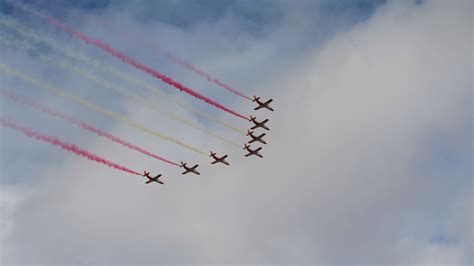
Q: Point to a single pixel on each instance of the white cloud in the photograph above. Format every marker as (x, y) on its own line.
(344, 178)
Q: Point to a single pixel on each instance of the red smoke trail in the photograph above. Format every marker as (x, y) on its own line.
(69, 147)
(140, 41)
(126, 59)
(79, 123)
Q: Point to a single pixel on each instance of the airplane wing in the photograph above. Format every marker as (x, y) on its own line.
(149, 181)
(248, 154)
(258, 107)
(214, 162)
(254, 127)
(258, 149)
(269, 101)
(225, 156)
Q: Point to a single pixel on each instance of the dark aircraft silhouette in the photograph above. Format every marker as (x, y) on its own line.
(152, 179)
(190, 169)
(258, 124)
(252, 152)
(217, 159)
(256, 138)
(262, 104)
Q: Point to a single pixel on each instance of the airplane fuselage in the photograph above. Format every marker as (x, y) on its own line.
(219, 160)
(253, 152)
(263, 104)
(190, 169)
(153, 179)
(257, 138)
(260, 124)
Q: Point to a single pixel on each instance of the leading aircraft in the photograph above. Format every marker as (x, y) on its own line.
(152, 179)
(262, 104)
(256, 138)
(258, 124)
(252, 152)
(217, 159)
(190, 169)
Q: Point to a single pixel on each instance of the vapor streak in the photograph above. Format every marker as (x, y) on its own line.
(145, 44)
(125, 93)
(116, 72)
(68, 147)
(22, 100)
(124, 58)
(96, 108)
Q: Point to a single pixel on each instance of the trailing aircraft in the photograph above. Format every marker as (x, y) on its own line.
(190, 169)
(262, 104)
(152, 179)
(256, 138)
(258, 124)
(217, 159)
(252, 152)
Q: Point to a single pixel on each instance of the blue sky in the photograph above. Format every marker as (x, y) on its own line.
(368, 158)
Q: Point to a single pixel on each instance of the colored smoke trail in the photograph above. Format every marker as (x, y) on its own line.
(126, 59)
(137, 99)
(141, 101)
(145, 44)
(11, 95)
(47, 87)
(117, 73)
(68, 147)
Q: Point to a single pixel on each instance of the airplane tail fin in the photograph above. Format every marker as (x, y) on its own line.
(249, 132)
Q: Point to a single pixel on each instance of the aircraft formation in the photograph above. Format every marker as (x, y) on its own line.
(14, 35)
(222, 160)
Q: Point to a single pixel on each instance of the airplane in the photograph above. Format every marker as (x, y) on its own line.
(252, 152)
(256, 138)
(190, 169)
(262, 104)
(152, 179)
(217, 159)
(258, 124)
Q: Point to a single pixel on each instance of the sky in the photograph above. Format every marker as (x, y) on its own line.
(369, 156)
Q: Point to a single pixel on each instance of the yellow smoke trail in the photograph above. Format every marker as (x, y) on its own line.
(117, 73)
(50, 88)
(141, 101)
(137, 99)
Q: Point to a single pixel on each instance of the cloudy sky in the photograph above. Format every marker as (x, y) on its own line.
(369, 158)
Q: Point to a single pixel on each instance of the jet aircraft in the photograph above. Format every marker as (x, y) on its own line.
(258, 124)
(262, 104)
(189, 169)
(152, 179)
(256, 138)
(252, 152)
(217, 159)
